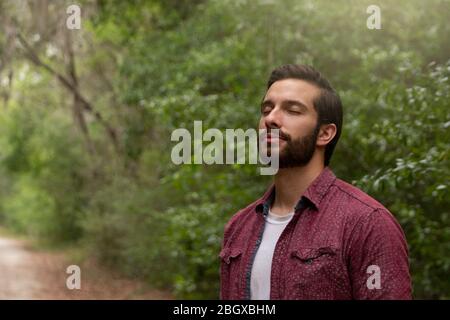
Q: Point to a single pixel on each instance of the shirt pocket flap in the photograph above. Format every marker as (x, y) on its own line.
(308, 254)
(226, 254)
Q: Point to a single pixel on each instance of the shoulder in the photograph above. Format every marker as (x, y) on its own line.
(359, 207)
(241, 215)
(355, 196)
(238, 219)
(353, 200)
(364, 213)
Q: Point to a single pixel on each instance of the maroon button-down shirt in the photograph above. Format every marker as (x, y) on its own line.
(340, 244)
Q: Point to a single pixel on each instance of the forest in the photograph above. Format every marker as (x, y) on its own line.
(87, 112)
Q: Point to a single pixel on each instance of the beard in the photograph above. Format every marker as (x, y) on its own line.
(297, 152)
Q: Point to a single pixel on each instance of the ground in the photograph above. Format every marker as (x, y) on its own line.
(29, 273)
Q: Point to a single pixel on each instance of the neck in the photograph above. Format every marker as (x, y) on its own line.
(291, 183)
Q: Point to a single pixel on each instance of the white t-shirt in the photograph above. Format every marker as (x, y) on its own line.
(262, 265)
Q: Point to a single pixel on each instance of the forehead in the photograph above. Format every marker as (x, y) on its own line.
(292, 89)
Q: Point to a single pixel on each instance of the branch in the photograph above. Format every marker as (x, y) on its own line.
(33, 57)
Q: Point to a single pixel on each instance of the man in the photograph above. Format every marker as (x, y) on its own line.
(311, 235)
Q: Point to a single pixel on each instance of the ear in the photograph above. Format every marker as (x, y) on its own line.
(326, 133)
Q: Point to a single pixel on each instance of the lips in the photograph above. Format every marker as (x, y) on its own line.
(269, 138)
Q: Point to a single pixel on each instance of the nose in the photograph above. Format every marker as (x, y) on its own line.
(273, 119)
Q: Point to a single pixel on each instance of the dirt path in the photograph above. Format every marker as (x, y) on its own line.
(26, 273)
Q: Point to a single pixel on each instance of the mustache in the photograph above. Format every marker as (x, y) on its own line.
(282, 135)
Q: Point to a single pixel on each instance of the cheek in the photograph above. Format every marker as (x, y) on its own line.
(300, 127)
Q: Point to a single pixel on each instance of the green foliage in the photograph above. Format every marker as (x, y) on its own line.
(193, 241)
(45, 194)
(170, 63)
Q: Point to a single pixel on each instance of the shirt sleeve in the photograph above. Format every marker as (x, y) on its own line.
(378, 258)
(224, 281)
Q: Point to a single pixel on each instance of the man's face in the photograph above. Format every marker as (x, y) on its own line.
(288, 106)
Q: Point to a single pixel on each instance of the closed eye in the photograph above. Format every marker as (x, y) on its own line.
(295, 107)
(265, 109)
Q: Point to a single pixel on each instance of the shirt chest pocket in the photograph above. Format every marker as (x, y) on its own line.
(309, 256)
(230, 261)
(312, 272)
(314, 263)
(230, 255)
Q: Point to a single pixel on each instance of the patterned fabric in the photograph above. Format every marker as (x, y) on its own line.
(340, 244)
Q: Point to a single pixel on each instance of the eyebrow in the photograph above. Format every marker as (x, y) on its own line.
(295, 102)
(284, 103)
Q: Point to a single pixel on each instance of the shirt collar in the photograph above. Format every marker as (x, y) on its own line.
(311, 197)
